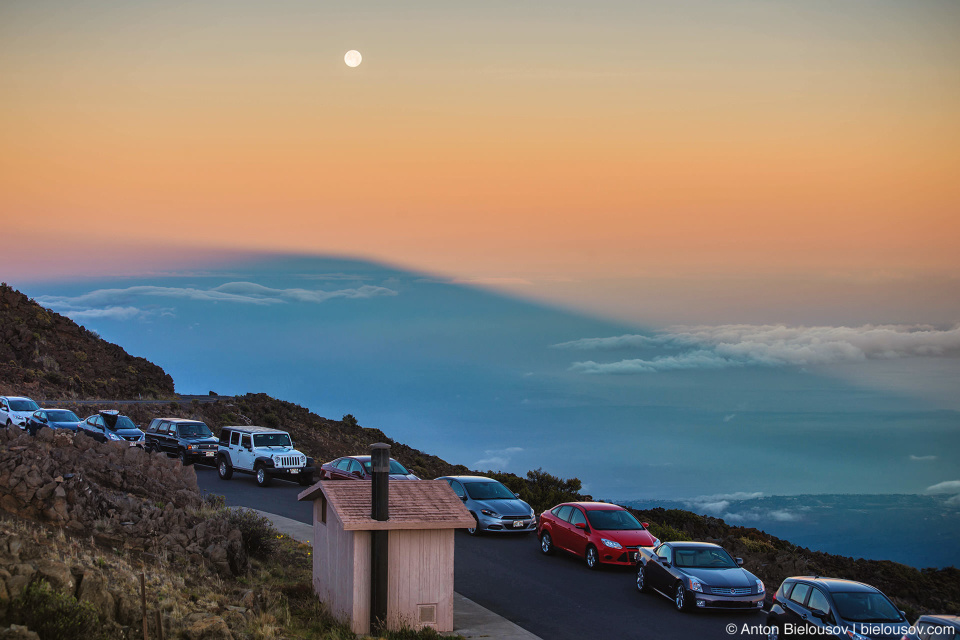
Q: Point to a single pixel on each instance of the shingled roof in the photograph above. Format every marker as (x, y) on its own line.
(414, 504)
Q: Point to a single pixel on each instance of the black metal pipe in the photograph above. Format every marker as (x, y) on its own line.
(379, 540)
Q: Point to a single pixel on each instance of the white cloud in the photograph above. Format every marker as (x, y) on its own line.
(922, 458)
(718, 503)
(729, 417)
(954, 501)
(727, 346)
(782, 515)
(950, 486)
(113, 313)
(108, 302)
(497, 459)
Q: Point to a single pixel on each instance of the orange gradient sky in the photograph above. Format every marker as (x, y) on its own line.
(556, 142)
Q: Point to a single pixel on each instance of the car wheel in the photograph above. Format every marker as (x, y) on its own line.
(475, 529)
(680, 599)
(774, 632)
(224, 470)
(592, 557)
(641, 579)
(183, 458)
(263, 478)
(546, 544)
(306, 481)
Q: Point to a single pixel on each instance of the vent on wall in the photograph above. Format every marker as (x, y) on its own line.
(428, 614)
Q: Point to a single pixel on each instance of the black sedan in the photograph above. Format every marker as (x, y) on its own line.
(698, 575)
(52, 418)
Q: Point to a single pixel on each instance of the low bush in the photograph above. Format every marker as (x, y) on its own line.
(260, 538)
(55, 616)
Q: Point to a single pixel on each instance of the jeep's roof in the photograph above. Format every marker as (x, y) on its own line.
(254, 429)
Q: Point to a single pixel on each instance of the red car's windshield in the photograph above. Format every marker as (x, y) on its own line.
(612, 520)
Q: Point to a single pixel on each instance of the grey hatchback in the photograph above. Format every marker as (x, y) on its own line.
(494, 506)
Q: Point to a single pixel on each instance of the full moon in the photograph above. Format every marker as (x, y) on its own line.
(353, 58)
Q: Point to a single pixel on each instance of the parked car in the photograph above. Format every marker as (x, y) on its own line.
(359, 468)
(934, 628)
(53, 418)
(265, 453)
(807, 605)
(111, 426)
(598, 532)
(190, 440)
(493, 506)
(699, 575)
(16, 410)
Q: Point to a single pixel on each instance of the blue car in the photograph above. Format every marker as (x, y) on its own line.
(493, 506)
(53, 418)
(110, 426)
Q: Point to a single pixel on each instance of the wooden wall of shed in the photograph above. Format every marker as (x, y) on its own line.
(421, 572)
(341, 574)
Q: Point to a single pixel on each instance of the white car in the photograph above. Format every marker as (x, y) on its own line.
(15, 410)
(263, 452)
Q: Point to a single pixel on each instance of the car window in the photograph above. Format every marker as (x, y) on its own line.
(38, 414)
(457, 488)
(225, 437)
(787, 588)
(818, 601)
(235, 438)
(665, 553)
(799, 593)
(576, 517)
(342, 464)
(246, 441)
(563, 513)
(355, 466)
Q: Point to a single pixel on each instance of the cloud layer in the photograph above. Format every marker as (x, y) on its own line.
(730, 346)
(119, 304)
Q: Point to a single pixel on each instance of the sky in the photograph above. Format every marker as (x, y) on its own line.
(748, 188)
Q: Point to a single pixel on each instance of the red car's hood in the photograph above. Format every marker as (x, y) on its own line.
(634, 538)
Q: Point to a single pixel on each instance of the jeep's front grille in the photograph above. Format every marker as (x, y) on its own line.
(289, 461)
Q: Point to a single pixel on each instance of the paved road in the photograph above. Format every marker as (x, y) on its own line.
(556, 598)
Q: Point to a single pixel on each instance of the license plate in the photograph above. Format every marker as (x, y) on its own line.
(294, 470)
(134, 444)
(209, 454)
(517, 524)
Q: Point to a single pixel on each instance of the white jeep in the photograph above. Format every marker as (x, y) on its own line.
(265, 453)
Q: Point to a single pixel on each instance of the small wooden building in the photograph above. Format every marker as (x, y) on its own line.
(423, 517)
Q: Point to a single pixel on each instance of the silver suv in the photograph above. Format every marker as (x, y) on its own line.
(265, 453)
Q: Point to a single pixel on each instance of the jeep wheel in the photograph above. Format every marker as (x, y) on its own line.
(184, 460)
(224, 470)
(263, 478)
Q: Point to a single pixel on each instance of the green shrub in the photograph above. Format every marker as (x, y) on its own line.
(260, 538)
(666, 533)
(54, 616)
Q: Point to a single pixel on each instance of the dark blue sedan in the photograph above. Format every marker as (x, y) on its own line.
(53, 418)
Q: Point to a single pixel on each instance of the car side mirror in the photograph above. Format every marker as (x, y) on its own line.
(42, 419)
(581, 525)
(359, 474)
(645, 525)
(664, 562)
(739, 561)
(463, 498)
(516, 494)
(818, 614)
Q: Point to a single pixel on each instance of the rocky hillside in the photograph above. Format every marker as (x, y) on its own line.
(46, 355)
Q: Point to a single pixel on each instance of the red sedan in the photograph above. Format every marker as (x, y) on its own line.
(595, 531)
